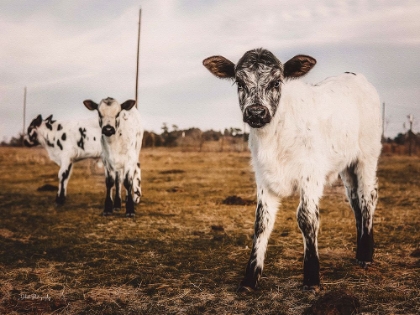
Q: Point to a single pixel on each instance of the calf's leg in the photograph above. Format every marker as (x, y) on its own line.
(265, 215)
(137, 184)
(117, 200)
(308, 221)
(129, 202)
(362, 191)
(109, 181)
(63, 178)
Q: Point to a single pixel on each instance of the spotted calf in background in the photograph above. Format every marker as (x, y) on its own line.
(121, 140)
(66, 142)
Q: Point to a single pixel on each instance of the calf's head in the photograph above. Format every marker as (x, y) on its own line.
(109, 113)
(31, 137)
(259, 76)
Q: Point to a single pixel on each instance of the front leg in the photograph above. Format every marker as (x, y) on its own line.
(109, 181)
(265, 215)
(308, 221)
(117, 200)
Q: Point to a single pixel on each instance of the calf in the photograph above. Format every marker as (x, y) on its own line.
(301, 137)
(121, 139)
(66, 142)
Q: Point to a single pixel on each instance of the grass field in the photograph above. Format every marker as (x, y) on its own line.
(185, 252)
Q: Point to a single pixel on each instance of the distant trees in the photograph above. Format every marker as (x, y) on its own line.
(234, 139)
(14, 141)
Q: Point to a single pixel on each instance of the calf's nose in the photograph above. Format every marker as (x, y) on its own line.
(108, 130)
(256, 111)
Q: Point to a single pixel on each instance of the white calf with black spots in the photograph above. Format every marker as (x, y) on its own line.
(301, 138)
(66, 142)
(121, 140)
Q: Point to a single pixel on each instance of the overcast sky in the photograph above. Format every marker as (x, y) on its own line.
(67, 51)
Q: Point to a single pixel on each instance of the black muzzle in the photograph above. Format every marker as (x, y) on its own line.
(257, 116)
(108, 130)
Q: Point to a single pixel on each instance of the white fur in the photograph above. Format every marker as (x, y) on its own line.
(61, 144)
(121, 151)
(316, 133)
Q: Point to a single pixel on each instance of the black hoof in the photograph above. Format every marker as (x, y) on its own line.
(59, 201)
(130, 215)
(312, 288)
(245, 290)
(363, 264)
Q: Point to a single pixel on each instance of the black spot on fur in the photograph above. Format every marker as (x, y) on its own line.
(59, 144)
(350, 73)
(81, 142)
(50, 144)
(64, 137)
(49, 126)
(59, 127)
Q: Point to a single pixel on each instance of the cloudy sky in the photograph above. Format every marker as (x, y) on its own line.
(67, 51)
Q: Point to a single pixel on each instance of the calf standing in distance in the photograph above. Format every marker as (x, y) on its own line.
(301, 137)
(66, 142)
(121, 140)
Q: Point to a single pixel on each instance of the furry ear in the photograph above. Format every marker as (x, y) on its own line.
(220, 67)
(50, 119)
(298, 66)
(127, 105)
(91, 105)
(37, 121)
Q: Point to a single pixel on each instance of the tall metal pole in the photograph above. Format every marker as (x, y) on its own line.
(24, 110)
(138, 59)
(383, 121)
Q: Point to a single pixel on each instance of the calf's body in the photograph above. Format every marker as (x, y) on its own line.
(121, 140)
(66, 142)
(301, 138)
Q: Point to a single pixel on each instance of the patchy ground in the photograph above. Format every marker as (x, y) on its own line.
(186, 250)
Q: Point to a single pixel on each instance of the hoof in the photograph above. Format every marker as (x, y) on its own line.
(244, 290)
(117, 209)
(59, 201)
(311, 288)
(363, 264)
(106, 214)
(129, 215)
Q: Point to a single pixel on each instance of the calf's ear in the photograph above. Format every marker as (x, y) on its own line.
(50, 119)
(38, 120)
(91, 105)
(220, 67)
(298, 66)
(127, 105)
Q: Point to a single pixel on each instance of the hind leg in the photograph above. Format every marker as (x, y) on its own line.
(63, 178)
(117, 199)
(362, 192)
(137, 184)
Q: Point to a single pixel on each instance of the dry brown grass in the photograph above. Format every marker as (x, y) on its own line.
(185, 251)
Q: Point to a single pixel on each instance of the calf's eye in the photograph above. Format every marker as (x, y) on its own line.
(275, 84)
(240, 85)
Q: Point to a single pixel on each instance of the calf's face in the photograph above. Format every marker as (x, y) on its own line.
(109, 113)
(31, 137)
(259, 76)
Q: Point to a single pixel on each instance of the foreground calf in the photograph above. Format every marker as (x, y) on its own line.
(301, 138)
(66, 142)
(121, 140)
